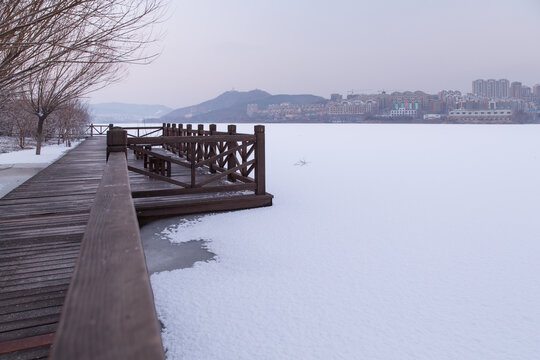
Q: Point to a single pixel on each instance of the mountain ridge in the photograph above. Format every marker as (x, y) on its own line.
(231, 106)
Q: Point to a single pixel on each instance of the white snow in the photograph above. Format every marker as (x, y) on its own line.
(49, 153)
(391, 242)
(18, 166)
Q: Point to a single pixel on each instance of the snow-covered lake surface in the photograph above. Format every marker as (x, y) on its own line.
(391, 242)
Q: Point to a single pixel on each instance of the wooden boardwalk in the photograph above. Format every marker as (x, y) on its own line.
(43, 221)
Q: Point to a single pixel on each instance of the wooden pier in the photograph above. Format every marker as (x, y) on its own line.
(74, 226)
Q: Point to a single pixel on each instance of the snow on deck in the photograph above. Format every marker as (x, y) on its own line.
(390, 242)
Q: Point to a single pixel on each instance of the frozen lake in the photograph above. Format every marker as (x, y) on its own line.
(384, 242)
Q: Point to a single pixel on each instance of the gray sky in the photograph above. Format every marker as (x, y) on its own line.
(321, 47)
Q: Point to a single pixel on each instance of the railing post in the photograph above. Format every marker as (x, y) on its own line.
(116, 141)
(188, 145)
(91, 129)
(200, 145)
(230, 162)
(212, 151)
(191, 155)
(180, 145)
(174, 133)
(168, 146)
(260, 174)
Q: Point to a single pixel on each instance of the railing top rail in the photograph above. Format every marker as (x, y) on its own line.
(141, 127)
(188, 139)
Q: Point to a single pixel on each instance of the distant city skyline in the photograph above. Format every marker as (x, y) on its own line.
(316, 47)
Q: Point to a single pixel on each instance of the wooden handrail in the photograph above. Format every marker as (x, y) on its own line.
(109, 311)
(142, 127)
(159, 140)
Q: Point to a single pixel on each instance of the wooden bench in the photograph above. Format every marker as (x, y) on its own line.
(159, 166)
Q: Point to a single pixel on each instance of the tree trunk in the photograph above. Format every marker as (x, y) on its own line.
(41, 120)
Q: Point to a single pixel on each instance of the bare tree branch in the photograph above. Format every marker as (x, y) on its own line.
(33, 34)
(53, 52)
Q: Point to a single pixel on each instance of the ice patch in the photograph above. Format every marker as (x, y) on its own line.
(182, 231)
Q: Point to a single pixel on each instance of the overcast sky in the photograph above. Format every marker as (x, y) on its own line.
(321, 47)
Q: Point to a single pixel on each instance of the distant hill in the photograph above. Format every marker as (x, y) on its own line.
(223, 101)
(120, 112)
(231, 106)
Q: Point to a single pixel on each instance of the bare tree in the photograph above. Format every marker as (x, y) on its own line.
(30, 32)
(80, 46)
(70, 121)
(57, 86)
(16, 122)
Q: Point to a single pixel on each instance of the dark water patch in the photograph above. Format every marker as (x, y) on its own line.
(162, 255)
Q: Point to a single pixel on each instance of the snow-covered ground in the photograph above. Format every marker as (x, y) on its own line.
(18, 166)
(391, 242)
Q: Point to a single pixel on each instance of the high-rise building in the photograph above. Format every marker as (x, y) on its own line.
(479, 87)
(491, 88)
(526, 92)
(503, 87)
(515, 90)
(536, 91)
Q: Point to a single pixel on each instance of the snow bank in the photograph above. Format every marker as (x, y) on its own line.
(49, 153)
(18, 166)
(391, 242)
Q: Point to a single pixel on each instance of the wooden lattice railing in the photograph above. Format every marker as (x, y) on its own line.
(237, 158)
(96, 129)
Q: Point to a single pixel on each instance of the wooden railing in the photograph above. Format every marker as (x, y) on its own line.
(237, 158)
(101, 129)
(148, 130)
(96, 129)
(109, 311)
